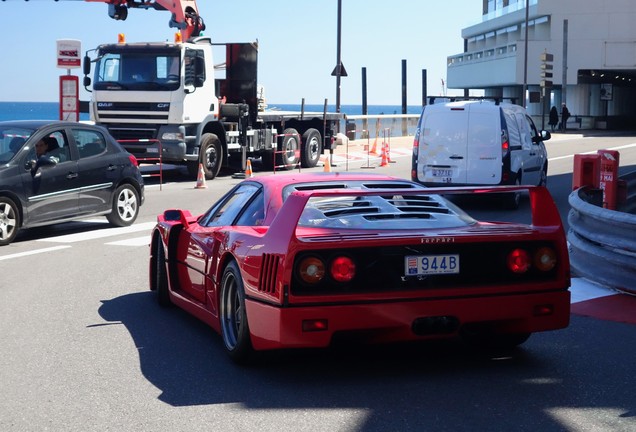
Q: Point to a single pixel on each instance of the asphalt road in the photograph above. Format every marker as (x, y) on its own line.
(85, 347)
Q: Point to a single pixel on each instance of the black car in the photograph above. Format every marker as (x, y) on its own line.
(83, 173)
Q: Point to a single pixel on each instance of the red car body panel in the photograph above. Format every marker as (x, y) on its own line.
(378, 310)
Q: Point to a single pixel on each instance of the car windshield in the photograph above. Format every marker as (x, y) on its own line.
(384, 211)
(11, 141)
(138, 70)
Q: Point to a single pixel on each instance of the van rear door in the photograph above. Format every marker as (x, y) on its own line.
(442, 144)
(484, 152)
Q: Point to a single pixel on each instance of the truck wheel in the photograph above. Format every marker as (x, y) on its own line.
(211, 155)
(9, 221)
(312, 148)
(290, 147)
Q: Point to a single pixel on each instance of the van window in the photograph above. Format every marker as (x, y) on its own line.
(524, 129)
(439, 129)
(514, 136)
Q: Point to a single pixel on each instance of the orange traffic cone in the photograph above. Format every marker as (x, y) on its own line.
(248, 169)
(200, 178)
(327, 165)
(384, 161)
(374, 148)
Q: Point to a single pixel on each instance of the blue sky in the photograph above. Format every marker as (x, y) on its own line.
(297, 43)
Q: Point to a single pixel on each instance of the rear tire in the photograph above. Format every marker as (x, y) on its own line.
(287, 159)
(9, 221)
(233, 315)
(125, 207)
(511, 201)
(311, 148)
(161, 275)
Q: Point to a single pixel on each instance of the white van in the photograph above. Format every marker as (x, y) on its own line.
(479, 142)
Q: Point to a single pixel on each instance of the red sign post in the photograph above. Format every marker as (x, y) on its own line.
(609, 177)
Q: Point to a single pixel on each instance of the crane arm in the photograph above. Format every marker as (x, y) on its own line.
(185, 14)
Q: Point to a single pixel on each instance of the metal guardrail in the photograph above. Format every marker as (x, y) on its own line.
(602, 241)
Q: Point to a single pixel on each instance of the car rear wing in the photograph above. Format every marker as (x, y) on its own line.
(544, 213)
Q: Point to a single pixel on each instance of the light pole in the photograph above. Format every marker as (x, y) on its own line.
(525, 60)
(338, 59)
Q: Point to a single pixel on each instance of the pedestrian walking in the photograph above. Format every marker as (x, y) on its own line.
(554, 118)
(565, 115)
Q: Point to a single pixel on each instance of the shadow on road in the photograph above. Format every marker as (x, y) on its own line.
(442, 385)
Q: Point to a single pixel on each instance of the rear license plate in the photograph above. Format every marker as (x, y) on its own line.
(415, 265)
(438, 172)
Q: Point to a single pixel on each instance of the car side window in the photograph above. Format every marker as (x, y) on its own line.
(63, 151)
(58, 147)
(89, 142)
(254, 213)
(231, 207)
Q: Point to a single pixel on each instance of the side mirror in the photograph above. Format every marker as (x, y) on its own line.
(86, 65)
(544, 135)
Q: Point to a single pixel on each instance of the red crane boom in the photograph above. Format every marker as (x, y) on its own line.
(185, 14)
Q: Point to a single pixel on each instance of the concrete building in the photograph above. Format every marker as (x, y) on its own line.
(593, 43)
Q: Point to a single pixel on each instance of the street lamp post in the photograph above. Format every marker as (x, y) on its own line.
(525, 60)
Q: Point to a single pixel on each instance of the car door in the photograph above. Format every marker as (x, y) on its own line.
(98, 167)
(51, 190)
(530, 152)
(199, 247)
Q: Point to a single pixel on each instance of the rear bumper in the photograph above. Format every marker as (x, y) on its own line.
(275, 327)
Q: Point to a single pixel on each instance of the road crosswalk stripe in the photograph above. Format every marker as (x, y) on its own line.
(99, 233)
(32, 252)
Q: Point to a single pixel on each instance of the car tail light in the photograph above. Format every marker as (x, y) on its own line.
(545, 259)
(505, 144)
(311, 270)
(518, 261)
(133, 160)
(342, 269)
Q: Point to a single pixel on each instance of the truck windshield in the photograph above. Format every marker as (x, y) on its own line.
(137, 71)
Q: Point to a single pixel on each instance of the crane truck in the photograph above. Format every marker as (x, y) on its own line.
(167, 102)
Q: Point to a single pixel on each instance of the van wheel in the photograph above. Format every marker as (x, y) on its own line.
(512, 200)
(543, 181)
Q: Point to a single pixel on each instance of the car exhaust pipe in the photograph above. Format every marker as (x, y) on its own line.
(439, 325)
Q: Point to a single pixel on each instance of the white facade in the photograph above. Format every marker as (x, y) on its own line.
(598, 36)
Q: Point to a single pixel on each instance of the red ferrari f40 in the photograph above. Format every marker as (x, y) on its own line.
(296, 260)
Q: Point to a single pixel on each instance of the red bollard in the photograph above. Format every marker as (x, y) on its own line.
(587, 170)
(609, 177)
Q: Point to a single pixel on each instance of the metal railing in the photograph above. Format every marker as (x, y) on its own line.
(602, 242)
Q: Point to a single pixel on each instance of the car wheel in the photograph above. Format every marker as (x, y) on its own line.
(125, 206)
(211, 157)
(160, 275)
(290, 147)
(543, 181)
(512, 200)
(312, 148)
(233, 315)
(9, 221)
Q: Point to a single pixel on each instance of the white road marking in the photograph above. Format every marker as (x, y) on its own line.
(100, 233)
(593, 152)
(138, 241)
(33, 252)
